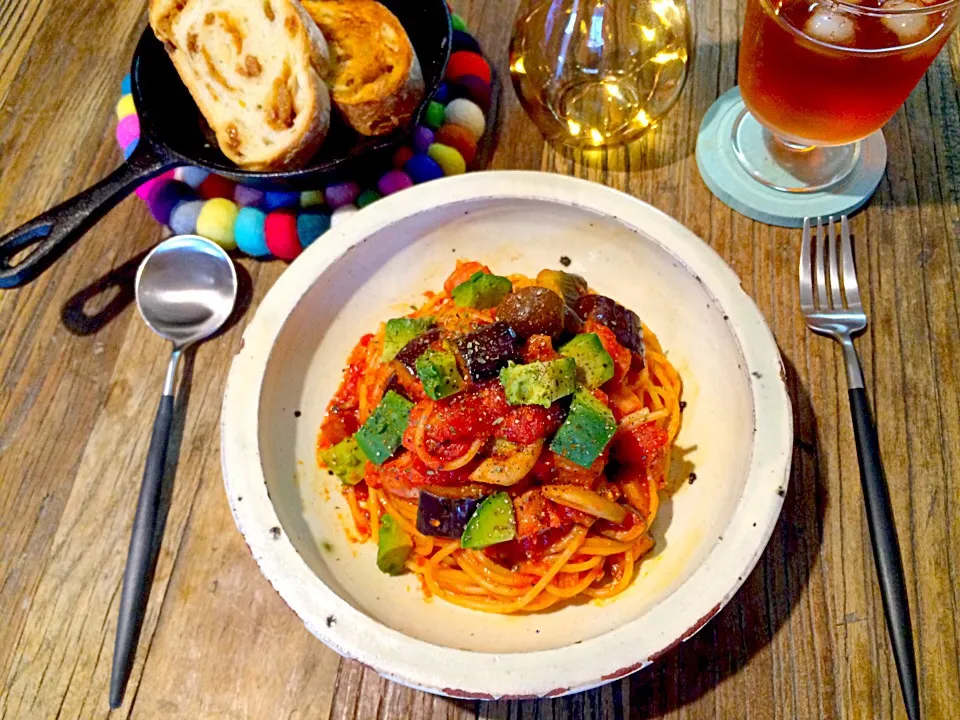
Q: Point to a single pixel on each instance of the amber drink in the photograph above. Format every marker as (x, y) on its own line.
(822, 74)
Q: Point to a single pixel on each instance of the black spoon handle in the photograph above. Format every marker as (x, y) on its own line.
(886, 550)
(137, 575)
(48, 236)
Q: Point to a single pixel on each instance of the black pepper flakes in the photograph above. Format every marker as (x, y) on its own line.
(692, 478)
(565, 261)
(296, 413)
(331, 620)
(275, 532)
(683, 405)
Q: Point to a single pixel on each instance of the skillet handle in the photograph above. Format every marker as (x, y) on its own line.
(48, 236)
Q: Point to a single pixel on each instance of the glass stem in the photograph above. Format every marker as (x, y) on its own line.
(792, 146)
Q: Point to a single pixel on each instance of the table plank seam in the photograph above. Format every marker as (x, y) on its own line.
(928, 305)
(43, 569)
(906, 411)
(11, 23)
(944, 196)
(105, 635)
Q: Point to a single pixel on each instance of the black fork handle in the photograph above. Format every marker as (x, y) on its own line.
(48, 236)
(886, 550)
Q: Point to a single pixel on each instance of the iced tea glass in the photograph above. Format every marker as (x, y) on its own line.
(818, 77)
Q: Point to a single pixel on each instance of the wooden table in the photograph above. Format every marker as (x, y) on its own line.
(80, 374)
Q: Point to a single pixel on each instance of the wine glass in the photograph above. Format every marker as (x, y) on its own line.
(819, 77)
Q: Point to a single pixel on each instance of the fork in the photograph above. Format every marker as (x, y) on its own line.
(830, 301)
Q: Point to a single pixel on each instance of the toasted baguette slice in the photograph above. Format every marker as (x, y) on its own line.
(255, 69)
(376, 80)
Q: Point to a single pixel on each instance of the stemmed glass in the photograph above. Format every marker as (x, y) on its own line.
(819, 77)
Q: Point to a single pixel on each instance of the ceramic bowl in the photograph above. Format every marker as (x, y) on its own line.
(737, 432)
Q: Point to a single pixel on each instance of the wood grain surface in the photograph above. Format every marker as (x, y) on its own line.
(80, 376)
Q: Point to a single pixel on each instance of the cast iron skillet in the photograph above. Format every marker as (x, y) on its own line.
(173, 133)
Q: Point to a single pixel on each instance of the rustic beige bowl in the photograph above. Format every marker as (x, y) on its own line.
(736, 435)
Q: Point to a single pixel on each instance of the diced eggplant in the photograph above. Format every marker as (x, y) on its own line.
(624, 323)
(443, 516)
(397, 387)
(572, 324)
(488, 350)
(533, 311)
(415, 348)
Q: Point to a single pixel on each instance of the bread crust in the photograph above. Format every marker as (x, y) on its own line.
(256, 70)
(376, 81)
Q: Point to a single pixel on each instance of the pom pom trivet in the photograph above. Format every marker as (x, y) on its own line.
(191, 200)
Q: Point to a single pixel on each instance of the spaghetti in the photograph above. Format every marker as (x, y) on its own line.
(479, 456)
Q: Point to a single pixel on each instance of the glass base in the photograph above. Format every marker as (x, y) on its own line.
(725, 175)
(788, 166)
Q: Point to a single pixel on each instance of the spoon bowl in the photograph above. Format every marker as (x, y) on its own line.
(186, 289)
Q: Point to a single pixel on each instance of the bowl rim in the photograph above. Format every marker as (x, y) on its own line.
(567, 669)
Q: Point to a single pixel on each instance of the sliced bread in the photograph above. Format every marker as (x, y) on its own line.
(375, 80)
(255, 69)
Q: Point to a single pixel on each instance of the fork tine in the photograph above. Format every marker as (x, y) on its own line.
(851, 290)
(819, 260)
(833, 257)
(806, 280)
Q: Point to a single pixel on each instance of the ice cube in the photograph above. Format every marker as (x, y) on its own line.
(909, 27)
(831, 26)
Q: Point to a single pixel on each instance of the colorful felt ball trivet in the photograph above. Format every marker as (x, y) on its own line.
(190, 200)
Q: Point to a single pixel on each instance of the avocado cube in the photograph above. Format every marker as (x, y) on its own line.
(399, 332)
(393, 546)
(346, 460)
(380, 435)
(594, 364)
(481, 291)
(493, 522)
(588, 429)
(437, 370)
(539, 383)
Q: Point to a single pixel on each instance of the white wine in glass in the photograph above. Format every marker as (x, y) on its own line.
(596, 73)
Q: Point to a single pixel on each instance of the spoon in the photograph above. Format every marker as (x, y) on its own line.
(185, 289)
